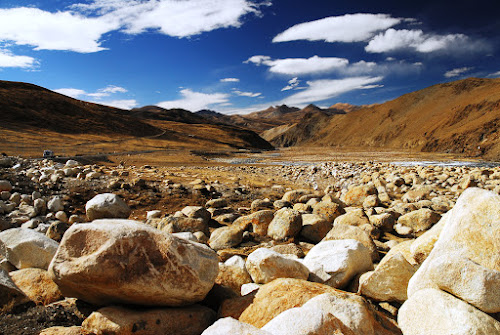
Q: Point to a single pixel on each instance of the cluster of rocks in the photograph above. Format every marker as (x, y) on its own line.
(382, 250)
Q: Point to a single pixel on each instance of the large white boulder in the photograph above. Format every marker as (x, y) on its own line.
(26, 248)
(265, 265)
(336, 262)
(470, 239)
(234, 327)
(124, 261)
(107, 206)
(430, 311)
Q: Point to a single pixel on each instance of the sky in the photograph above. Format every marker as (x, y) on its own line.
(240, 56)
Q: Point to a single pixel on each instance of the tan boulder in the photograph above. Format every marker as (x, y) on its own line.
(232, 326)
(124, 261)
(342, 231)
(265, 265)
(419, 220)
(314, 227)
(225, 237)
(470, 236)
(259, 221)
(10, 294)
(431, 311)
(106, 205)
(286, 224)
(233, 274)
(389, 280)
(37, 285)
(424, 244)
(357, 194)
(75, 330)
(114, 320)
(329, 210)
(353, 217)
(283, 294)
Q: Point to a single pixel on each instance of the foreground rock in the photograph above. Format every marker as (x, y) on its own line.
(265, 265)
(283, 294)
(106, 205)
(335, 263)
(431, 311)
(123, 261)
(234, 327)
(469, 240)
(10, 294)
(169, 321)
(37, 285)
(26, 248)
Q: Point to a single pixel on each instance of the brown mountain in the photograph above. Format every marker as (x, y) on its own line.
(25, 106)
(459, 117)
(32, 117)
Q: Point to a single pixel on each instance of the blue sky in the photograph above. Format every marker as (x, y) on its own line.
(238, 56)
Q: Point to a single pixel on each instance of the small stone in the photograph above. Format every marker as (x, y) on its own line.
(286, 223)
(106, 205)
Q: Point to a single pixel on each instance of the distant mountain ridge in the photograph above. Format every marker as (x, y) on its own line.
(460, 117)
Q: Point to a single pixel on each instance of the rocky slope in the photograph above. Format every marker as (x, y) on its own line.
(458, 117)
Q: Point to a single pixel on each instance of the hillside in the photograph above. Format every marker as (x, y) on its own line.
(458, 117)
(25, 106)
(33, 118)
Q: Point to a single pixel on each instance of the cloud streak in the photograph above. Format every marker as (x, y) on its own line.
(347, 28)
(324, 89)
(97, 97)
(7, 59)
(457, 72)
(194, 101)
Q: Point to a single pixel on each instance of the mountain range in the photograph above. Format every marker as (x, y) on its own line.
(459, 117)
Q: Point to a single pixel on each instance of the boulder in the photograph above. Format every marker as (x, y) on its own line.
(183, 224)
(26, 248)
(58, 330)
(286, 224)
(197, 212)
(342, 231)
(384, 221)
(353, 217)
(315, 317)
(234, 327)
(226, 237)
(265, 265)
(124, 261)
(106, 206)
(389, 281)
(424, 244)
(419, 220)
(10, 294)
(115, 320)
(314, 227)
(329, 210)
(5, 185)
(335, 263)
(259, 221)
(431, 311)
(470, 238)
(55, 205)
(357, 194)
(233, 274)
(294, 196)
(281, 295)
(37, 285)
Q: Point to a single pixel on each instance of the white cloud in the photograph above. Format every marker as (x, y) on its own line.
(417, 40)
(7, 59)
(123, 104)
(230, 80)
(320, 90)
(98, 95)
(292, 83)
(347, 28)
(53, 31)
(298, 66)
(81, 29)
(323, 65)
(457, 72)
(173, 17)
(246, 94)
(494, 75)
(194, 101)
(71, 92)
